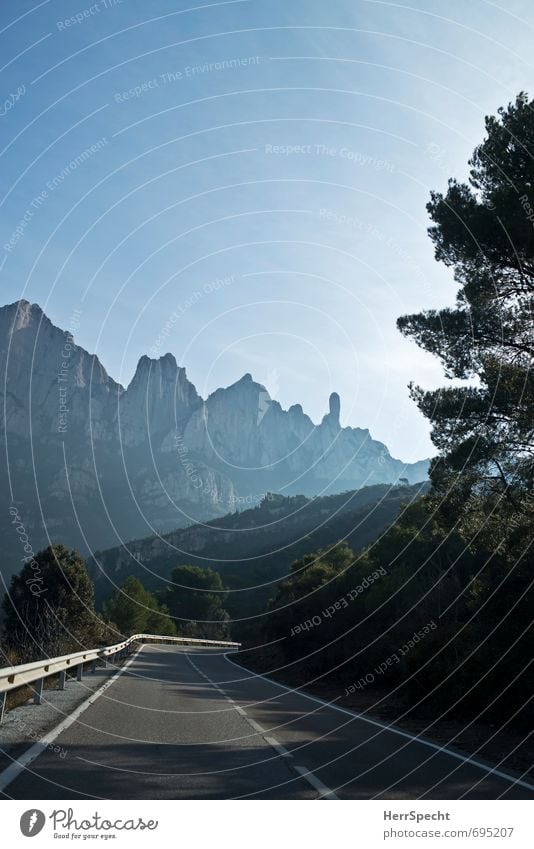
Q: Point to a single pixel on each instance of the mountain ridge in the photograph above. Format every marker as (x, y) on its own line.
(253, 550)
(97, 463)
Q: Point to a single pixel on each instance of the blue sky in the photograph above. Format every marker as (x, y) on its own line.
(244, 183)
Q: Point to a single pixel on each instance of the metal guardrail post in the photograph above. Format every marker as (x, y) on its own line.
(93, 666)
(38, 696)
(79, 672)
(3, 697)
(62, 679)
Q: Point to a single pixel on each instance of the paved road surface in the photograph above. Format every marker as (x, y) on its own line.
(189, 724)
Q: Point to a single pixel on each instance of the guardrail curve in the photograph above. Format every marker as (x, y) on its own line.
(12, 677)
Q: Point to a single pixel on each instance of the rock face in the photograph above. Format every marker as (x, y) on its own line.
(159, 397)
(90, 463)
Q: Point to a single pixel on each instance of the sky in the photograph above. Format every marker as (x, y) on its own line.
(243, 184)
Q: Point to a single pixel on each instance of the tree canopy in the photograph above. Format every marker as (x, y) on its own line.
(49, 607)
(137, 611)
(196, 598)
(484, 230)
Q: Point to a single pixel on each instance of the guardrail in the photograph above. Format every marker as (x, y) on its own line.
(12, 677)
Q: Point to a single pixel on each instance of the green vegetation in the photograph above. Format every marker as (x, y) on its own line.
(252, 550)
(137, 611)
(190, 606)
(485, 232)
(195, 599)
(49, 609)
(447, 622)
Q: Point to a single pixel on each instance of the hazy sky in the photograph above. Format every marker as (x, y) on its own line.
(244, 183)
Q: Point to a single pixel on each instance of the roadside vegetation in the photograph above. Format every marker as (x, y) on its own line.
(457, 565)
(57, 615)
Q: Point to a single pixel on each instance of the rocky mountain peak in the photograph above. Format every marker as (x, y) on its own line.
(21, 315)
(245, 384)
(331, 419)
(162, 370)
(158, 399)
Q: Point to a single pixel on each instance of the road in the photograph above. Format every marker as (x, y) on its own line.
(190, 724)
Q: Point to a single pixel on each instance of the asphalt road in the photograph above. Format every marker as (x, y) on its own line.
(189, 724)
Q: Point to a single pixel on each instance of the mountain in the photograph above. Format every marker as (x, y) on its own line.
(254, 549)
(90, 463)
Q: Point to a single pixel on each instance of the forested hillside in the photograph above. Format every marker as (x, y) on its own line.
(254, 549)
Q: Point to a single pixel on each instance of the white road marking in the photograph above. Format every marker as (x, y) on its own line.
(282, 751)
(256, 726)
(315, 782)
(406, 734)
(31, 754)
(279, 749)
